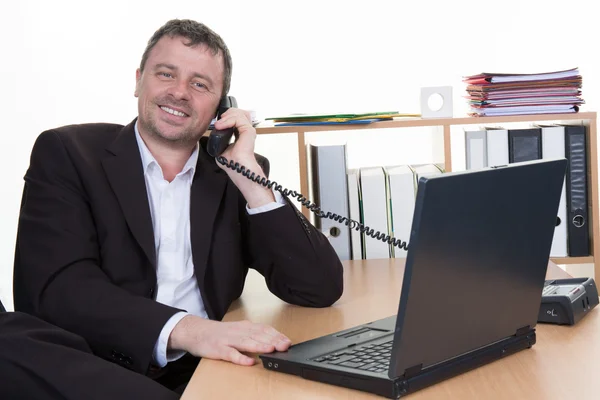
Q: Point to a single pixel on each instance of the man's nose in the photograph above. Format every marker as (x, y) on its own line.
(180, 90)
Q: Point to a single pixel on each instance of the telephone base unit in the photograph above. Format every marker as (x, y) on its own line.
(566, 301)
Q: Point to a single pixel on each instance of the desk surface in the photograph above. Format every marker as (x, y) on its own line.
(562, 364)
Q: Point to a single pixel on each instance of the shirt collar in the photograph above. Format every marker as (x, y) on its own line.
(148, 159)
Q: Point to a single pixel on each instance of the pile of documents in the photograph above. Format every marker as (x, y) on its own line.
(491, 94)
(337, 119)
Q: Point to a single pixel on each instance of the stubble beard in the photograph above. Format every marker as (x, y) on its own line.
(183, 139)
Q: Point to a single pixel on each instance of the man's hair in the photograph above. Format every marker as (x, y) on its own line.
(197, 34)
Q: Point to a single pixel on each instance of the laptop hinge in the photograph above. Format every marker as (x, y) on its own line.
(523, 331)
(412, 371)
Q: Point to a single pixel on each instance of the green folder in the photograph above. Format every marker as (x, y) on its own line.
(332, 117)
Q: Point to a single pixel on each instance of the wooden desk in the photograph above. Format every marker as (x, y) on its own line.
(563, 364)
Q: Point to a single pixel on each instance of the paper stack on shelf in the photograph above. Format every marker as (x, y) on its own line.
(337, 119)
(492, 94)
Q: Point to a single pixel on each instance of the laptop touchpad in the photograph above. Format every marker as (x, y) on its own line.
(362, 333)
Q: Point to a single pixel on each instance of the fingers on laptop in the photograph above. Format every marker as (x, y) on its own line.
(245, 336)
(268, 335)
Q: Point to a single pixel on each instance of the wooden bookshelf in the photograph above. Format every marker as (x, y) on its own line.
(586, 118)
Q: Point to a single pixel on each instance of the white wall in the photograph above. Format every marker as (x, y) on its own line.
(66, 62)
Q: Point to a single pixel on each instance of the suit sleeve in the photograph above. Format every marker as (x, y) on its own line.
(41, 361)
(58, 274)
(299, 264)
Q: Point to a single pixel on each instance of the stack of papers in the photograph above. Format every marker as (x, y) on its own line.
(337, 119)
(492, 94)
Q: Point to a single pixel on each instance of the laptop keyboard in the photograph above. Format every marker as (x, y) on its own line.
(371, 357)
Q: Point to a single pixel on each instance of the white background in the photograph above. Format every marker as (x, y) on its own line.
(65, 62)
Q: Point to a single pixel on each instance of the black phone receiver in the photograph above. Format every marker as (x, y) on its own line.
(218, 140)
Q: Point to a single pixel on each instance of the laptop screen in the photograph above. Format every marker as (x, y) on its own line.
(477, 260)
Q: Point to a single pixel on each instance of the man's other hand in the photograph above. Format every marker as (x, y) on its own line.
(226, 340)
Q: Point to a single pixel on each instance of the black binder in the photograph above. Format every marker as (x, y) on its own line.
(524, 144)
(577, 198)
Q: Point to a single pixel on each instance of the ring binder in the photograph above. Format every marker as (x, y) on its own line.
(577, 199)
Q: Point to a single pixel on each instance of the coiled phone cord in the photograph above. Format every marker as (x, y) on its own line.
(310, 205)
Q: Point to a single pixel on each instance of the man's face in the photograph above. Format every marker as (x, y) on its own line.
(179, 91)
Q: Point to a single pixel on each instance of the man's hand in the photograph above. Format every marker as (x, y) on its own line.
(242, 151)
(225, 340)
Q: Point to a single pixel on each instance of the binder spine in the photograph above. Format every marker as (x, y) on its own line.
(476, 149)
(497, 147)
(553, 147)
(524, 145)
(577, 199)
(330, 191)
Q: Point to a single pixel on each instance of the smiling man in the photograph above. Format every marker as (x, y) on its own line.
(135, 239)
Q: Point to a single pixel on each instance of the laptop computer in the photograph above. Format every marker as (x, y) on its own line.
(473, 280)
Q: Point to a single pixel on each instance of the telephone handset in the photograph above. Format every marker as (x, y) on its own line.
(218, 142)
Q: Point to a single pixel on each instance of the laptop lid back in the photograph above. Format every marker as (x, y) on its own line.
(477, 260)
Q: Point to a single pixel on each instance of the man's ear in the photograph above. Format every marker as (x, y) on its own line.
(138, 78)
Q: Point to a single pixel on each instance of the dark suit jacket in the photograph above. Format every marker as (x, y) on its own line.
(85, 257)
(41, 361)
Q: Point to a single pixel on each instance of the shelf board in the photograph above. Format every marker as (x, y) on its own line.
(573, 260)
(269, 128)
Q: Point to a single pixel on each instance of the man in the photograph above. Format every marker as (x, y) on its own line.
(137, 240)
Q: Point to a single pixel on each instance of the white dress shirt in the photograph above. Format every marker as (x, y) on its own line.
(170, 211)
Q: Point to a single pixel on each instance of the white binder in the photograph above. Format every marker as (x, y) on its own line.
(425, 170)
(476, 149)
(402, 192)
(497, 147)
(328, 188)
(354, 204)
(553, 147)
(374, 208)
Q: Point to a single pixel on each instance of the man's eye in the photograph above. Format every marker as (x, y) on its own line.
(166, 74)
(199, 85)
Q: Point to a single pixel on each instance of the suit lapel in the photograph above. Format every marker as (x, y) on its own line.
(123, 167)
(207, 192)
